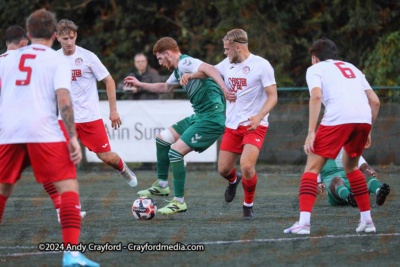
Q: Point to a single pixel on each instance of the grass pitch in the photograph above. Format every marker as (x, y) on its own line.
(30, 219)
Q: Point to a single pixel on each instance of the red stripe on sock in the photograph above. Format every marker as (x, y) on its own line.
(120, 166)
(70, 217)
(360, 190)
(231, 177)
(249, 187)
(3, 201)
(308, 191)
(52, 191)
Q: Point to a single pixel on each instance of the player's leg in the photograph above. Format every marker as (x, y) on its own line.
(307, 194)
(350, 158)
(226, 168)
(164, 141)
(5, 193)
(51, 163)
(231, 148)
(340, 192)
(13, 160)
(374, 185)
(247, 164)
(178, 150)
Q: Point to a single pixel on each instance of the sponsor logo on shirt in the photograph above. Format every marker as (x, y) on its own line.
(75, 74)
(237, 83)
(246, 69)
(78, 61)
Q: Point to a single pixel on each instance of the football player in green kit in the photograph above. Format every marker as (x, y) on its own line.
(197, 132)
(333, 177)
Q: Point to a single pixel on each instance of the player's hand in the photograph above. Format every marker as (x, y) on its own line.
(368, 143)
(185, 78)
(75, 153)
(320, 188)
(309, 144)
(230, 96)
(254, 123)
(131, 81)
(115, 119)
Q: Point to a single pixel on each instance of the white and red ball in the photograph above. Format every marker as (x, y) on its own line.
(144, 208)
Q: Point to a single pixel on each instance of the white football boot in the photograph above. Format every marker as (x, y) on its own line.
(367, 227)
(129, 176)
(298, 229)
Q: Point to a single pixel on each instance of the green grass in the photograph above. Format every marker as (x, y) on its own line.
(30, 218)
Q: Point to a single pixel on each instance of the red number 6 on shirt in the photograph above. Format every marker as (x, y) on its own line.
(25, 69)
(347, 72)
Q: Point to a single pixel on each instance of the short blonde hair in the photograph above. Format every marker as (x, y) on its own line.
(236, 35)
(65, 26)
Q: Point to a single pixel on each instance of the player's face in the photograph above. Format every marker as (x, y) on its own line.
(140, 63)
(230, 51)
(165, 61)
(67, 42)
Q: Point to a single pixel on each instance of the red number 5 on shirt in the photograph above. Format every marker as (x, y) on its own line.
(347, 72)
(25, 69)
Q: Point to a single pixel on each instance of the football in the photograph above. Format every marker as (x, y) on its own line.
(144, 208)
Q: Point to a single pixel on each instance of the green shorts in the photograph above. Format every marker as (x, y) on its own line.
(200, 131)
(327, 181)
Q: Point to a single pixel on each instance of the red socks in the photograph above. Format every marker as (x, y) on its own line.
(3, 201)
(249, 187)
(120, 166)
(308, 191)
(360, 190)
(70, 217)
(231, 177)
(52, 191)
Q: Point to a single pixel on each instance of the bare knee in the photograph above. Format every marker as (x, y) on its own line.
(248, 170)
(6, 190)
(224, 171)
(336, 181)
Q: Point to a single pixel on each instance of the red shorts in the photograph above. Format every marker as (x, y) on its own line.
(92, 135)
(234, 140)
(330, 139)
(50, 162)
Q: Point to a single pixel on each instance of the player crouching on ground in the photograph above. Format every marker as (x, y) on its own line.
(32, 78)
(351, 108)
(334, 178)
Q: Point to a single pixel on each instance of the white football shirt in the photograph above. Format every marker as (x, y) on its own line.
(343, 92)
(248, 80)
(87, 69)
(30, 77)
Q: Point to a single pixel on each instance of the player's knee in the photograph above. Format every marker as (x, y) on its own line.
(336, 181)
(166, 136)
(223, 171)
(106, 158)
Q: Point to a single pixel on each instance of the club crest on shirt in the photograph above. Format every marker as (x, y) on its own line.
(246, 69)
(78, 61)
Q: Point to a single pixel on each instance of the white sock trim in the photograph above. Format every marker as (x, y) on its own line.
(180, 199)
(248, 205)
(234, 181)
(163, 183)
(305, 218)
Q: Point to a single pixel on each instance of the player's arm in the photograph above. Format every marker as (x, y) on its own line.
(375, 104)
(112, 100)
(160, 88)
(67, 115)
(272, 99)
(208, 71)
(314, 110)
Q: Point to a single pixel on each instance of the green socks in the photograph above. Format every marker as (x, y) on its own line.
(178, 171)
(373, 184)
(162, 159)
(342, 192)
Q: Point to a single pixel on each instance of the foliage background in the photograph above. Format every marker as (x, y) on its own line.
(366, 32)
